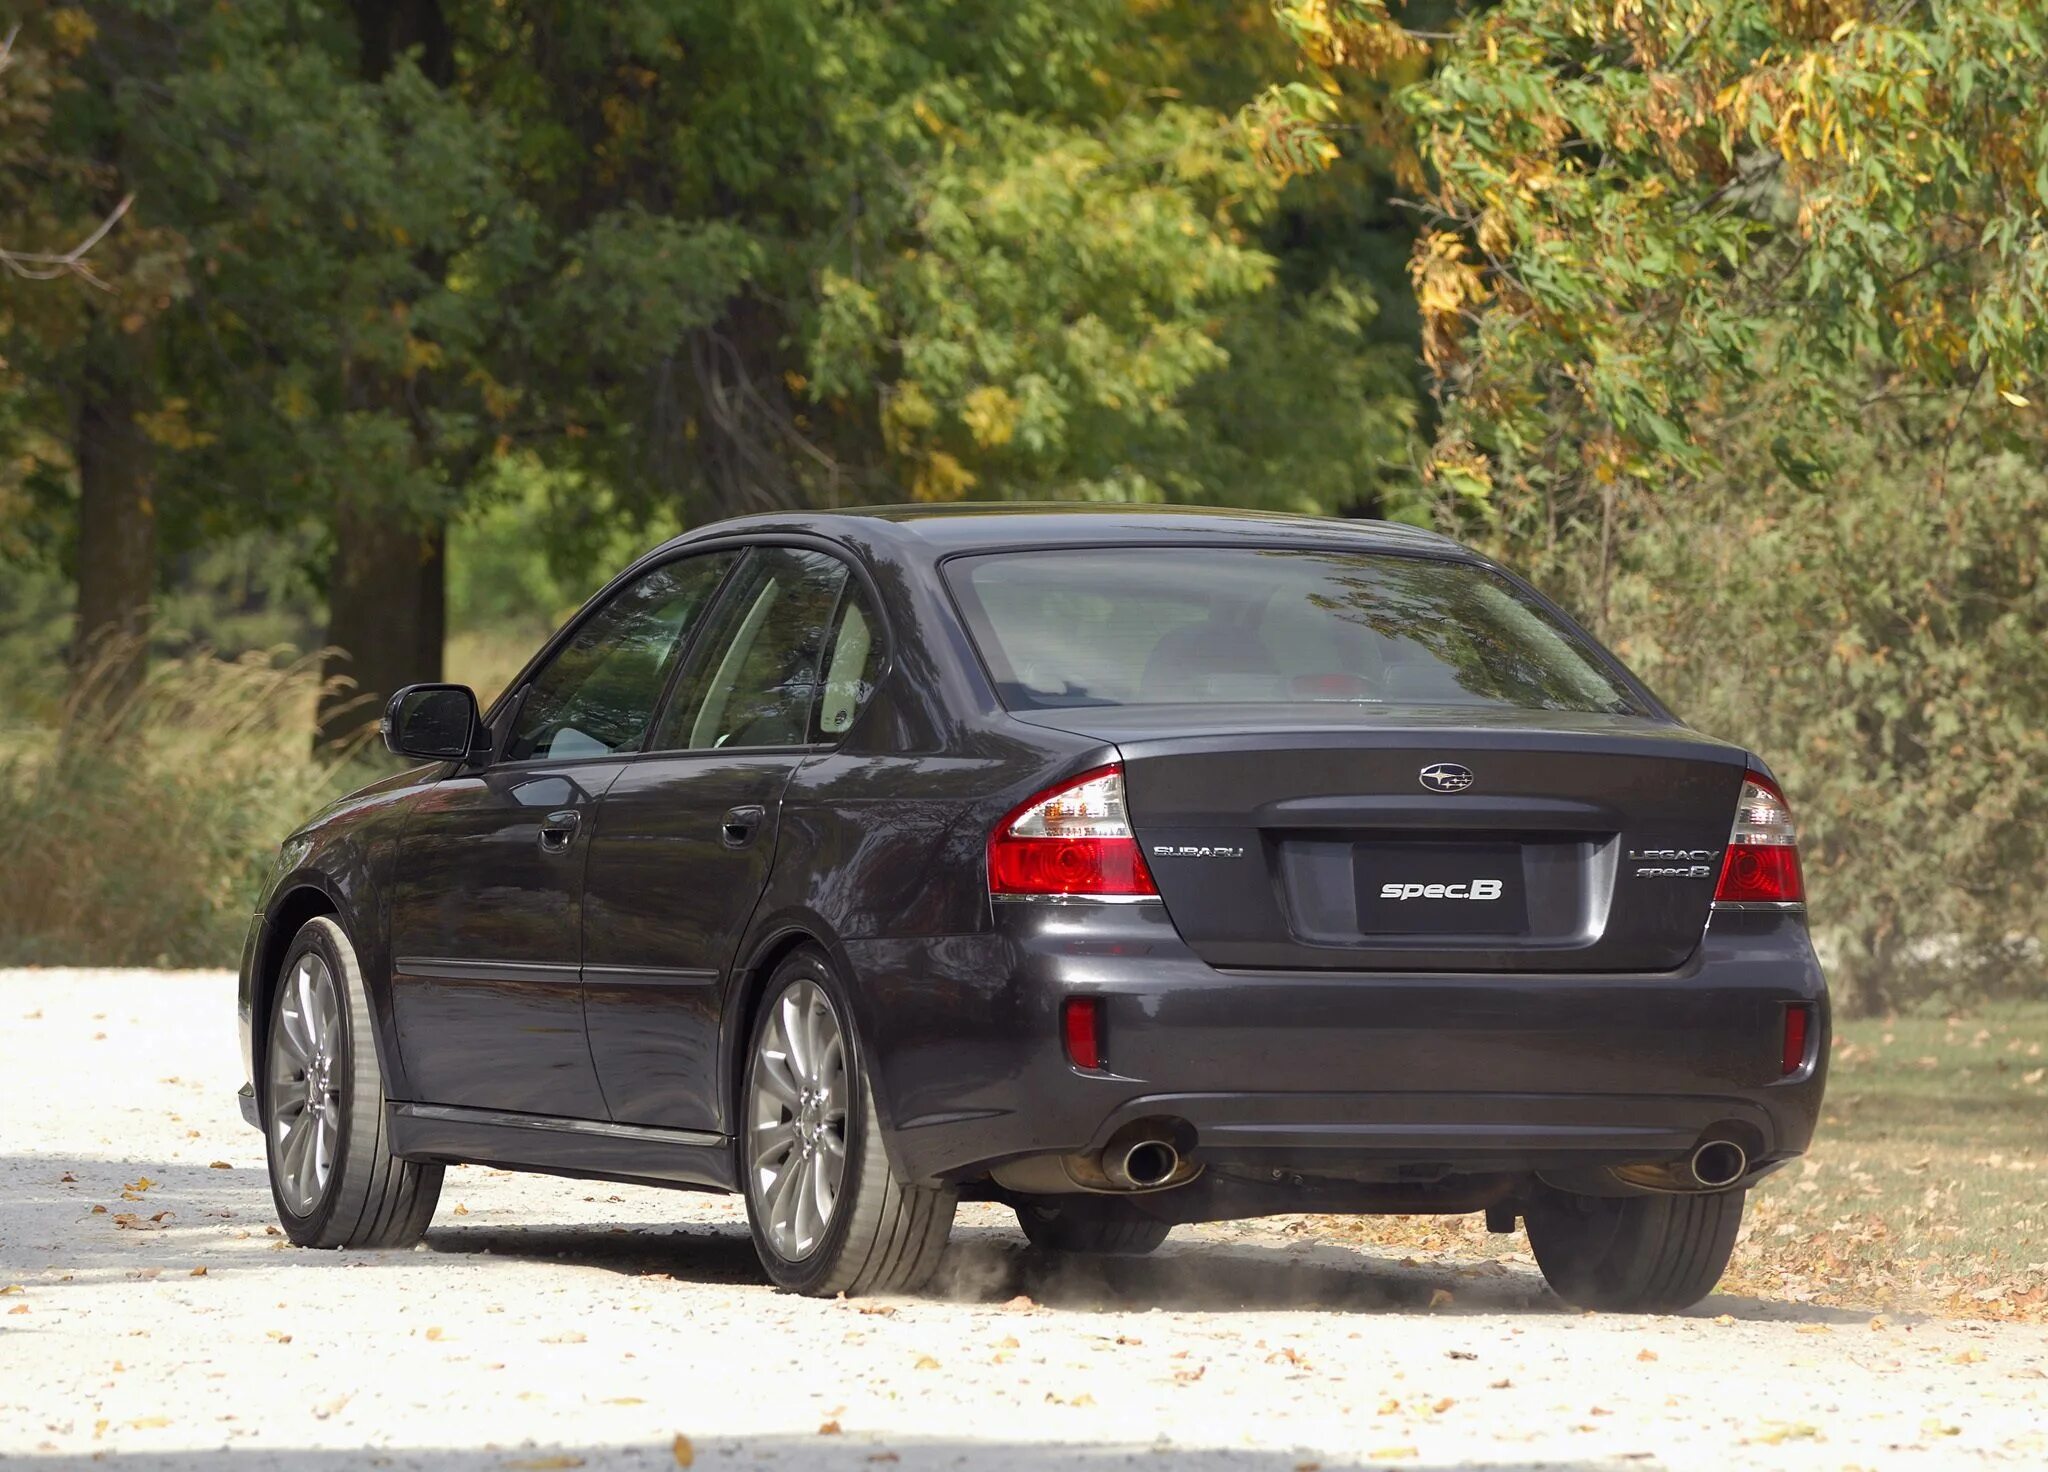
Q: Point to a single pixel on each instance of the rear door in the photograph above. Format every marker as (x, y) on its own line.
(1365, 761)
(686, 835)
(486, 908)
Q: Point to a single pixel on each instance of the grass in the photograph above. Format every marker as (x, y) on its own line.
(1923, 1191)
(153, 818)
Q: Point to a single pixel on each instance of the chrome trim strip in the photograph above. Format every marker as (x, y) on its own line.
(450, 968)
(652, 975)
(1778, 906)
(1077, 899)
(550, 1124)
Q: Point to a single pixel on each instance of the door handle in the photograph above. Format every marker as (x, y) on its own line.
(558, 830)
(741, 824)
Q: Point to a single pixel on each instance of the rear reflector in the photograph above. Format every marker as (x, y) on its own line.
(1761, 864)
(1798, 1028)
(1070, 840)
(1081, 1022)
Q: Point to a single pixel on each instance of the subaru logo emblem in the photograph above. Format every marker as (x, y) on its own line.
(1446, 777)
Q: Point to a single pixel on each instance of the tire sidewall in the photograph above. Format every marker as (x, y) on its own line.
(805, 1276)
(323, 937)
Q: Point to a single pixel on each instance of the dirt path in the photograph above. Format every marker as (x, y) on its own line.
(554, 1324)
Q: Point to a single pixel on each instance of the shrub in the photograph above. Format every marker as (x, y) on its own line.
(155, 817)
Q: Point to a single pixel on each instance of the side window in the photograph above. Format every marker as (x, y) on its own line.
(598, 694)
(759, 671)
(851, 666)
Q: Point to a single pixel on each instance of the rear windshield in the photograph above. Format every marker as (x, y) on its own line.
(1176, 625)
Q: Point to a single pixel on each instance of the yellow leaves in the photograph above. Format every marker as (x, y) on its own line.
(169, 426)
(421, 355)
(941, 478)
(1446, 283)
(990, 414)
(682, 1451)
(545, 1464)
(2018, 401)
(72, 29)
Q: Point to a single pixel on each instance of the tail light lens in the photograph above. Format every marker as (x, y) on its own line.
(1761, 864)
(1798, 1029)
(1081, 1025)
(1073, 839)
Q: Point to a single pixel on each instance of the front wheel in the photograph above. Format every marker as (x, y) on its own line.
(828, 1214)
(1634, 1254)
(332, 1173)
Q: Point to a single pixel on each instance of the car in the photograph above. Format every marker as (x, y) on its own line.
(1126, 866)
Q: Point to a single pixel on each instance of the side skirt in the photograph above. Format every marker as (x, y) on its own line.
(588, 1149)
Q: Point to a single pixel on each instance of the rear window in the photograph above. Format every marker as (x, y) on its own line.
(1172, 625)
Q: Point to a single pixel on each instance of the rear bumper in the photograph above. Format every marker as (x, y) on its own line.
(1360, 1076)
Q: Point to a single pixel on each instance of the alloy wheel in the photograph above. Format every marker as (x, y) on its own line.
(305, 1083)
(796, 1120)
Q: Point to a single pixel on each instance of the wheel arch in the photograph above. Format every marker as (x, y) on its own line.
(773, 944)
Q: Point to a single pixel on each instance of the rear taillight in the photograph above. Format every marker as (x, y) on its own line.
(1761, 865)
(1070, 840)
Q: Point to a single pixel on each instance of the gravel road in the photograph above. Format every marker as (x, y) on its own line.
(152, 1319)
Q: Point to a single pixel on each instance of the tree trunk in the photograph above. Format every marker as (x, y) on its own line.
(387, 587)
(384, 614)
(116, 544)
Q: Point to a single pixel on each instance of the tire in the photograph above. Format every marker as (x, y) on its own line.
(1087, 1225)
(1634, 1254)
(332, 1174)
(875, 1234)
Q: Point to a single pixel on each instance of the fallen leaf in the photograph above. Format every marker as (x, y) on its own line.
(332, 1407)
(572, 1336)
(1646, 1355)
(1967, 1357)
(1724, 1320)
(879, 1310)
(1459, 1354)
(1021, 1304)
(1934, 1427)
(67, 1176)
(926, 1362)
(461, 1210)
(1189, 1377)
(435, 1332)
(1796, 1431)
(682, 1451)
(1499, 1384)
(98, 1211)
(625, 1400)
(19, 1308)
(1389, 1406)
(545, 1464)
(280, 1336)
(218, 1165)
(198, 1272)
(1438, 1297)
(149, 1423)
(11, 1289)
(1813, 1329)
(1392, 1453)
(830, 1428)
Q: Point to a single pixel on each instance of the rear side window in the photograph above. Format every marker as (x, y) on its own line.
(1179, 625)
(788, 660)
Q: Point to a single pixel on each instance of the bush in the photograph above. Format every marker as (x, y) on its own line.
(155, 817)
(1882, 647)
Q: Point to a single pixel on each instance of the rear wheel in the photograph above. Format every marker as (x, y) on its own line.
(1092, 1226)
(332, 1174)
(828, 1214)
(1634, 1254)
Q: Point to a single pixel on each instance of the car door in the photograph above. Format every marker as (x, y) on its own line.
(486, 907)
(685, 837)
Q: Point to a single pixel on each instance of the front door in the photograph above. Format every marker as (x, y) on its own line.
(487, 893)
(686, 836)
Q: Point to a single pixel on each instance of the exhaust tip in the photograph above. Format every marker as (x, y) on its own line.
(1149, 1163)
(1719, 1163)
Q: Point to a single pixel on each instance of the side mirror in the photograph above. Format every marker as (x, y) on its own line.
(436, 723)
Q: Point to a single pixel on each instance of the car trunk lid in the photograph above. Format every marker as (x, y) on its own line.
(1309, 836)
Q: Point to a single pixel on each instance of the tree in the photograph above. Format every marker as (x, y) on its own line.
(81, 343)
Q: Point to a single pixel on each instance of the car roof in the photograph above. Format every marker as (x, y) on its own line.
(992, 525)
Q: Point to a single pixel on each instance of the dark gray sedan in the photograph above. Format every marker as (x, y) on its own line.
(1127, 866)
